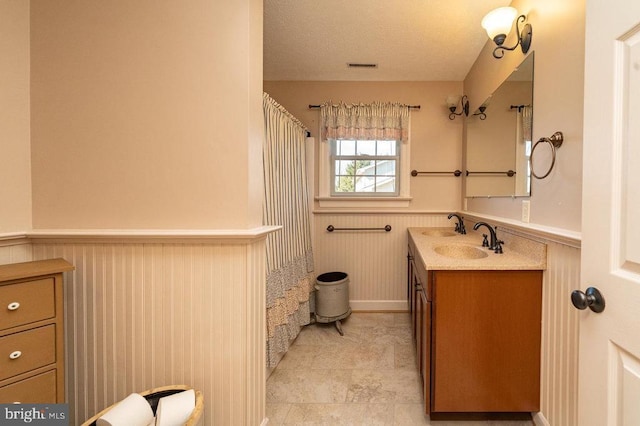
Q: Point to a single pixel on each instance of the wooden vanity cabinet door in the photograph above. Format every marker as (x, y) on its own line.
(426, 351)
(420, 325)
(411, 290)
(486, 341)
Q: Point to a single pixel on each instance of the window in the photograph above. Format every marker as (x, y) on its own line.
(364, 174)
(365, 167)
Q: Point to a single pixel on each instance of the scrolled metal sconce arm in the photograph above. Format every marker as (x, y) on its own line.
(464, 101)
(524, 39)
(481, 113)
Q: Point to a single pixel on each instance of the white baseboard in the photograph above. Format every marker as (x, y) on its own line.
(539, 419)
(378, 305)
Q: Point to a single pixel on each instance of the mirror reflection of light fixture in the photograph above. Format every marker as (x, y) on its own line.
(498, 24)
(482, 108)
(452, 104)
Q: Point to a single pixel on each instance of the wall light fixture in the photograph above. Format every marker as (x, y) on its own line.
(498, 24)
(481, 112)
(452, 104)
(482, 108)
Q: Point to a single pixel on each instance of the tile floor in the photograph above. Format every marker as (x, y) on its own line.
(367, 377)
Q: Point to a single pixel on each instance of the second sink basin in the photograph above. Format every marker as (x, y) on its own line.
(439, 233)
(460, 251)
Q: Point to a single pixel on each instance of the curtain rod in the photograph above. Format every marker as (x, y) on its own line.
(410, 106)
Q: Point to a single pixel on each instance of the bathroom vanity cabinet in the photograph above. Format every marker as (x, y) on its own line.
(420, 308)
(477, 335)
(32, 332)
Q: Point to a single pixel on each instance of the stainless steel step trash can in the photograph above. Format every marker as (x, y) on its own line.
(332, 298)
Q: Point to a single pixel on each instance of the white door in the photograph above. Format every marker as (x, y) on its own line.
(609, 380)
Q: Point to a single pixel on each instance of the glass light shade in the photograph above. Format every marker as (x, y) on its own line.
(499, 21)
(452, 101)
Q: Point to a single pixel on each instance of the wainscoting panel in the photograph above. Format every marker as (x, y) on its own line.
(375, 260)
(560, 334)
(12, 252)
(143, 315)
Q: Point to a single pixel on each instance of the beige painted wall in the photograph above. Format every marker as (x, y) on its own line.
(435, 140)
(558, 42)
(146, 114)
(15, 169)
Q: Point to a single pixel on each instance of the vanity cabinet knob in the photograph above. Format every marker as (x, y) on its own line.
(15, 355)
(13, 306)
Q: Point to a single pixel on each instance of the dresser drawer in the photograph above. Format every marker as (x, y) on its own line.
(40, 389)
(22, 352)
(26, 302)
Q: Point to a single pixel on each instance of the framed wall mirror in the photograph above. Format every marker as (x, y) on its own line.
(499, 138)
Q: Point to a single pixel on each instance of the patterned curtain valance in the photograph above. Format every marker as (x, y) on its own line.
(377, 121)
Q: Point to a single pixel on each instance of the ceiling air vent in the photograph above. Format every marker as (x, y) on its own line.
(356, 65)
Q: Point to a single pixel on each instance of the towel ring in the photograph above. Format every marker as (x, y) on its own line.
(556, 142)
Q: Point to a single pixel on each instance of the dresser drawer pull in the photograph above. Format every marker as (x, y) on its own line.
(15, 355)
(13, 306)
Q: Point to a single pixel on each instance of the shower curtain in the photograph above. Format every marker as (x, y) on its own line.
(289, 255)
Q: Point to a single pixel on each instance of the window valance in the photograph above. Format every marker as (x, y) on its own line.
(376, 121)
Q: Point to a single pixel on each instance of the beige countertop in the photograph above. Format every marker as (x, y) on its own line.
(518, 253)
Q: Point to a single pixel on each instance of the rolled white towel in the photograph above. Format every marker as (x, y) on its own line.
(134, 410)
(174, 410)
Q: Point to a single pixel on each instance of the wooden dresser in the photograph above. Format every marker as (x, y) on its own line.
(32, 331)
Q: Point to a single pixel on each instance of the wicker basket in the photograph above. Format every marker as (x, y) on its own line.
(153, 396)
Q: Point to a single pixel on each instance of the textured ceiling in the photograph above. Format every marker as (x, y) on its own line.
(410, 40)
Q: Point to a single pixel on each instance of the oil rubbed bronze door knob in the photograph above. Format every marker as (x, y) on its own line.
(592, 299)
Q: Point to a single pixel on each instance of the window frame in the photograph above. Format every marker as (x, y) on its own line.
(326, 177)
(334, 157)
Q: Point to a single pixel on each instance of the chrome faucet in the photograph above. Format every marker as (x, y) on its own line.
(460, 225)
(493, 245)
